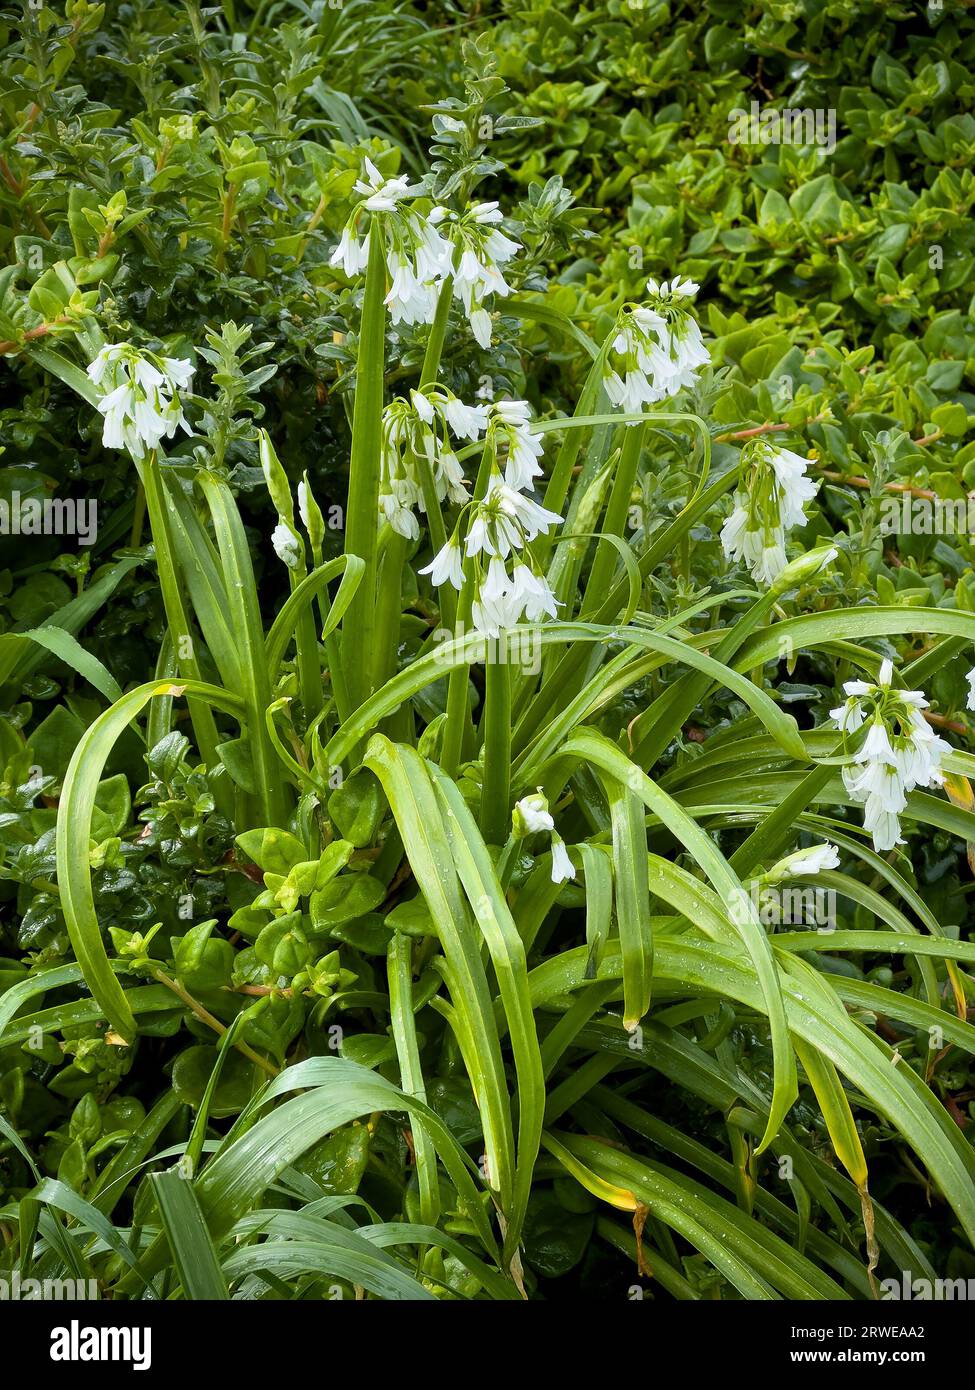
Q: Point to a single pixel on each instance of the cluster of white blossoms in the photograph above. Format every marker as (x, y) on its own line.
(770, 502)
(483, 250)
(501, 526)
(658, 348)
(900, 752)
(531, 815)
(423, 249)
(139, 396)
(419, 428)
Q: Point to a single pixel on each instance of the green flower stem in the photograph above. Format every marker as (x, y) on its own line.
(272, 800)
(438, 332)
(331, 643)
(557, 489)
(389, 603)
(614, 522)
(431, 502)
(138, 518)
(201, 715)
(393, 552)
(496, 789)
(507, 859)
(403, 1028)
(361, 531)
(306, 648)
(458, 732)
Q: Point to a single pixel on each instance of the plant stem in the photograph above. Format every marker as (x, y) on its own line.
(558, 485)
(238, 575)
(496, 787)
(614, 522)
(457, 723)
(403, 1027)
(306, 648)
(198, 1011)
(457, 730)
(138, 517)
(201, 715)
(361, 530)
(389, 604)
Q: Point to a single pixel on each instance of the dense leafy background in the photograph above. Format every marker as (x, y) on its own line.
(223, 142)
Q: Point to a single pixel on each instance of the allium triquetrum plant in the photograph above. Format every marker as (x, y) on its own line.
(498, 934)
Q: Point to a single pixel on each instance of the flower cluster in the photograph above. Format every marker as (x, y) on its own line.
(140, 396)
(899, 752)
(531, 815)
(501, 525)
(770, 503)
(483, 250)
(657, 350)
(418, 428)
(420, 256)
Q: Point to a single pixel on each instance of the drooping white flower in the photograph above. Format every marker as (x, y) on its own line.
(532, 595)
(351, 253)
(397, 498)
(510, 427)
(771, 563)
(531, 816)
(883, 825)
(410, 299)
(465, 421)
(447, 566)
(562, 866)
(769, 503)
(499, 525)
(677, 288)
(423, 248)
(502, 601)
(970, 702)
(899, 751)
(449, 477)
(796, 490)
(423, 406)
(139, 402)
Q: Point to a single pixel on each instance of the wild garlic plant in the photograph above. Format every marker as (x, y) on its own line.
(771, 502)
(476, 838)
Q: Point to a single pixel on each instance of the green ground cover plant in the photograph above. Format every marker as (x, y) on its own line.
(486, 649)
